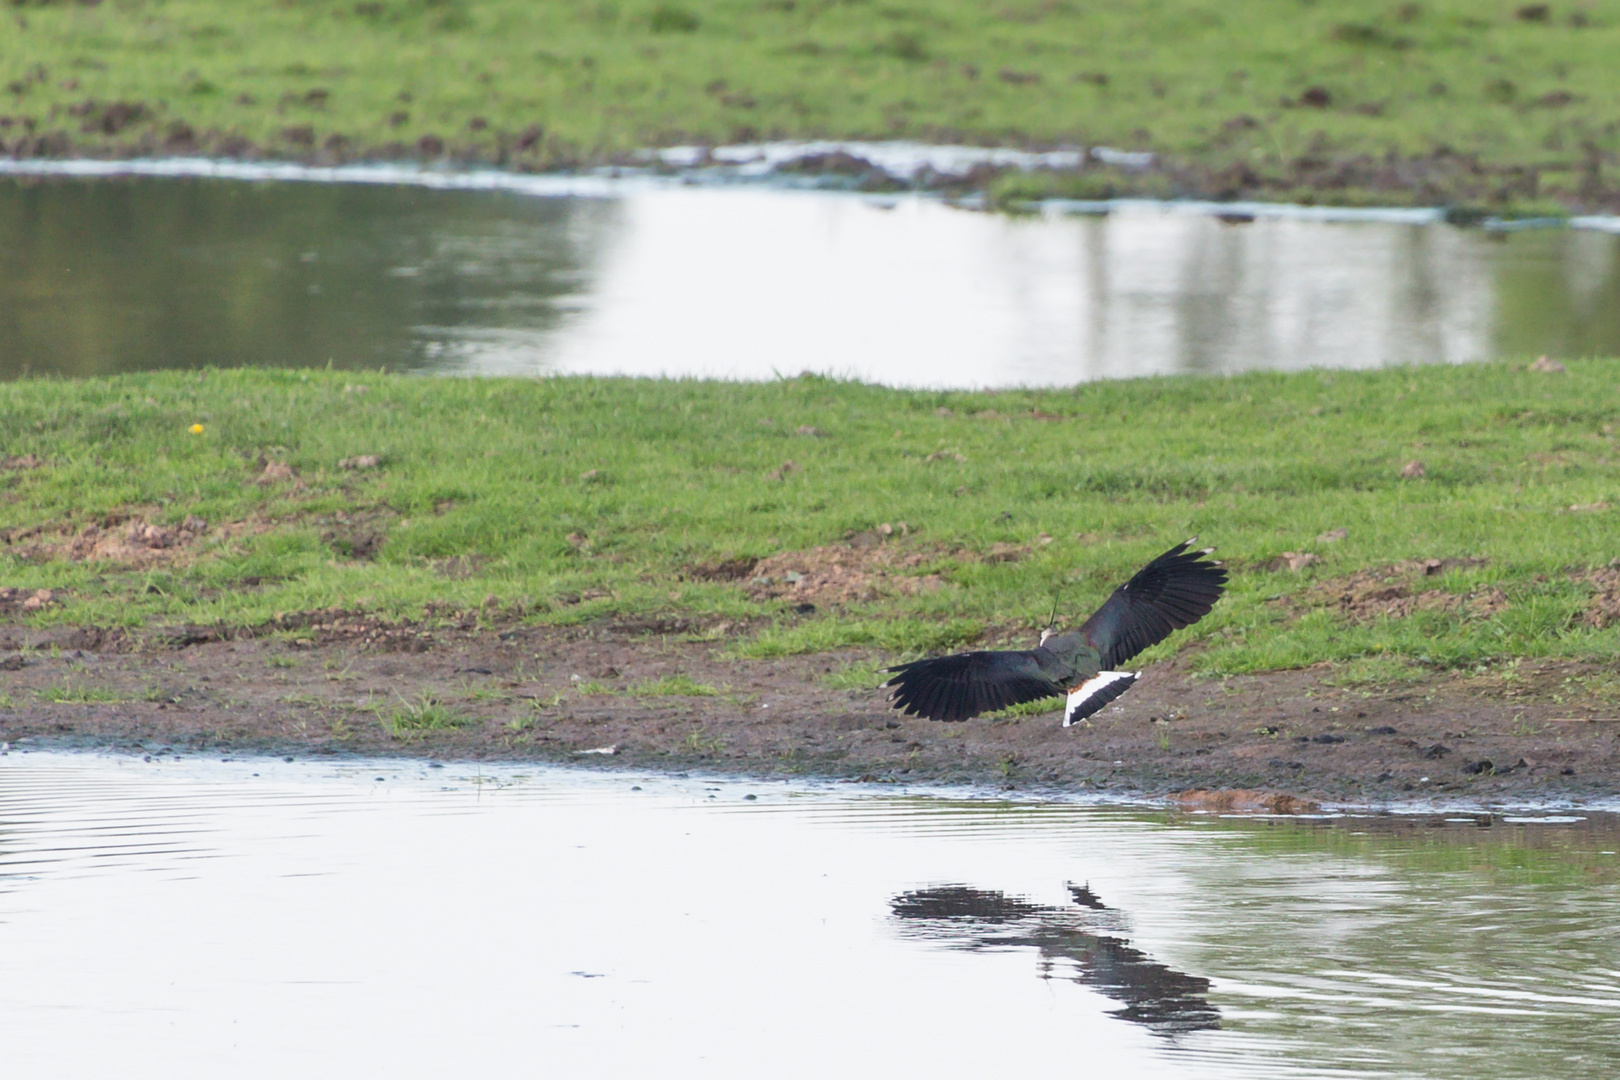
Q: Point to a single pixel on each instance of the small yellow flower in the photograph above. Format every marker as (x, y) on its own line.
(196, 429)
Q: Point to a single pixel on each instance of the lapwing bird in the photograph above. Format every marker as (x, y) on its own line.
(1170, 593)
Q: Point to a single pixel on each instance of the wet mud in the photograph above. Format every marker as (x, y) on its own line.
(1462, 180)
(650, 697)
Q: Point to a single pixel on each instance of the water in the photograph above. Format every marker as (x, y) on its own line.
(751, 282)
(258, 918)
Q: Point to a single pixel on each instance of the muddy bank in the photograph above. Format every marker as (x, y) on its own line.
(1471, 187)
(630, 696)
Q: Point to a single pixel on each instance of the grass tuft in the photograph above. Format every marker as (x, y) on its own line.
(1038, 707)
(678, 685)
(425, 714)
(78, 694)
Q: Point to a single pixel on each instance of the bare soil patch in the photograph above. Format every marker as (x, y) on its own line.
(842, 574)
(125, 538)
(473, 687)
(863, 568)
(1397, 590)
(1603, 609)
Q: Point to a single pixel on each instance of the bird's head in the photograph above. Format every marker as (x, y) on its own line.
(1051, 621)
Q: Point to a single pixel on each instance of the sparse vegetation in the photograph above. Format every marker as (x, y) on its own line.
(677, 685)
(68, 692)
(1039, 707)
(426, 713)
(861, 676)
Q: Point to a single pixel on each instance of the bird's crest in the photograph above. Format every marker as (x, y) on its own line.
(1051, 621)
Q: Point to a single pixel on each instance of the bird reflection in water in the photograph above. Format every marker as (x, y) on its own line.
(1166, 1001)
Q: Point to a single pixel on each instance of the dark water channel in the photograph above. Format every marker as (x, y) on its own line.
(107, 275)
(192, 918)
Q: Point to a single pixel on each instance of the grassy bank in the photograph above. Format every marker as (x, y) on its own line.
(1502, 103)
(910, 520)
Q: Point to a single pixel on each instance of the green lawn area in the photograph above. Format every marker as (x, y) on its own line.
(1499, 101)
(571, 499)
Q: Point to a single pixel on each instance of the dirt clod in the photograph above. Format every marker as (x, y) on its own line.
(276, 472)
(726, 570)
(861, 570)
(1390, 592)
(26, 601)
(1603, 609)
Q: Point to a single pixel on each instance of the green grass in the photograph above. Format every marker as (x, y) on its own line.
(859, 676)
(1038, 707)
(1114, 472)
(1299, 95)
(69, 693)
(425, 714)
(674, 686)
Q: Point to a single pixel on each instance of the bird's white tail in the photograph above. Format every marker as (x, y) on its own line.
(1095, 692)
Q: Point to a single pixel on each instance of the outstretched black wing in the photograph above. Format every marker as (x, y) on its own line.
(967, 684)
(1174, 590)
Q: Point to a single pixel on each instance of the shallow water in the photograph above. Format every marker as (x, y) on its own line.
(751, 281)
(184, 918)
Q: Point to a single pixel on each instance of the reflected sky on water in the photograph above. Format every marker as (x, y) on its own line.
(197, 918)
(751, 282)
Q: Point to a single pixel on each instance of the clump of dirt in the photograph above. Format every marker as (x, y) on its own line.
(865, 567)
(1603, 609)
(136, 541)
(361, 534)
(842, 574)
(737, 569)
(278, 472)
(1294, 561)
(1010, 552)
(336, 624)
(28, 601)
(116, 538)
(1392, 592)
(458, 567)
(20, 462)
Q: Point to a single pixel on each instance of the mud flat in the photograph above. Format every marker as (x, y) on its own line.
(622, 698)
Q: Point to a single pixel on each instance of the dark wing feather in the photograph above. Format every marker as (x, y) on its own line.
(967, 684)
(1173, 591)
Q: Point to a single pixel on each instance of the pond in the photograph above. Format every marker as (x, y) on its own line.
(187, 917)
(750, 281)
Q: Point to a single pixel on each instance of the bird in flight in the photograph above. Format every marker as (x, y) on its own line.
(1171, 592)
